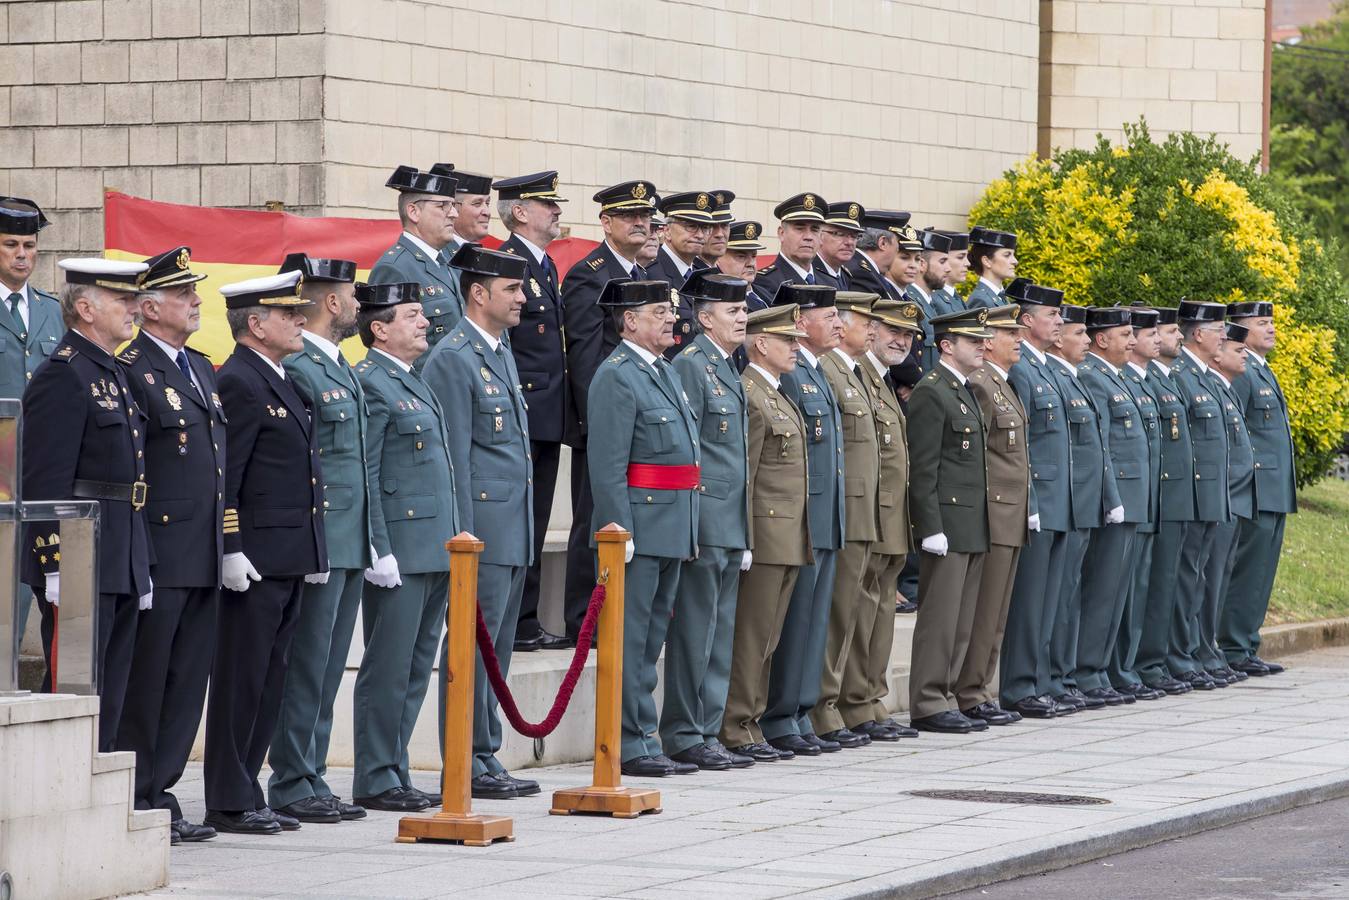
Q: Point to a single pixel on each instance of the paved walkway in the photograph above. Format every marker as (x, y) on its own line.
(845, 824)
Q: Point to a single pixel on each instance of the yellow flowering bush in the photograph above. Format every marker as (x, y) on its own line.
(1318, 395)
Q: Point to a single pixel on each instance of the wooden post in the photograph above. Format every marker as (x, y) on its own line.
(456, 821)
(607, 795)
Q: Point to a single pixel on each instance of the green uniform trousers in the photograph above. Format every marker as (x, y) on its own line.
(1159, 614)
(866, 673)
(1259, 543)
(766, 591)
(1183, 653)
(948, 593)
(652, 582)
(1107, 582)
(847, 606)
(1123, 666)
(1067, 616)
(975, 682)
(1024, 669)
(1217, 578)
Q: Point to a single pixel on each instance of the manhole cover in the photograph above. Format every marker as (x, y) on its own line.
(1011, 797)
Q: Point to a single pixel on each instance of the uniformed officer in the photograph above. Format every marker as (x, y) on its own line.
(273, 538)
(1037, 588)
(84, 437)
(720, 233)
(1011, 515)
(689, 222)
(473, 375)
(403, 610)
(796, 674)
(779, 524)
(992, 256)
(185, 464)
(800, 220)
(934, 271)
(625, 218)
(838, 243)
(472, 202)
(1202, 333)
(958, 266)
(698, 646)
(655, 237)
(427, 211)
(869, 267)
(644, 474)
(1261, 539)
(861, 484)
(328, 602)
(948, 507)
(1107, 587)
(866, 674)
(529, 209)
(741, 260)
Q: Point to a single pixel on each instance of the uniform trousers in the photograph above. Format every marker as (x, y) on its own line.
(253, 634)
(1067, 615)
(848, 604)
(318, 659)
(648, 599)
(948, 593)
(1195, 549)
(1107, 582)
(118, 616)
(974, 685)
(1163, 574)
(1259, 543)
(866, 672)
(1123, 666)
(1217, 578)
(766, 593)
(1031, 612)
(402, 626)
(545, 455)
(580, 581)
(795, 674)
(698, 649)
(166, 691)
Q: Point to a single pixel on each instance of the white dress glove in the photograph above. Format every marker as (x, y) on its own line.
(236, 571)
(1033, 522)
(147, 599)
(316, 578)
(1115, 516)
(384, 573)
(54, 588)
(746, 561)
(936, 544)
(628, 549)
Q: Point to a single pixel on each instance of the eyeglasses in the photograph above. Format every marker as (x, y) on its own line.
(442, 205)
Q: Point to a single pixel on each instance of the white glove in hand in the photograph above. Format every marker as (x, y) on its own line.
(146, 601)
(1115, 516)
(628, 549)
(746, 561)
(316, 578)
(384, 573)
(54, 588)
(236, 571)
(1033, 523)
(936, 544)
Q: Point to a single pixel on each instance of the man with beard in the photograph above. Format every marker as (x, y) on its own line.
(800, 220)
(926, 289)
(993, 257)
(838, 243)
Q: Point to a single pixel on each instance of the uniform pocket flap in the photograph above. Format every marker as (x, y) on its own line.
(170, 420)
(816, 410)
(1266, 461)
(782, 429)
(659, 416)
(1008, 421)
(774, 508)
(959, 495)
(815, 483)
(854, 487)
(390, 485)
(422, 506)
(337, 412)
(1127, 470)
(965, 426)
(108, 418)
(1044, 473)
(279, 517)
(719, 488)
(885, 498)
(412, 424)
(535, 381)
(1044, 401)
(337, 496)
(1080, 416)
(491, 490)
(643, 496)
(1206, 471)
(167, 512)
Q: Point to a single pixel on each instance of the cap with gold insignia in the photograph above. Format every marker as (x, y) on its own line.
(408, 180)
(934, 240)
(171, 268)
(960, 240)
(479, 260)
(1027, 293)
(890, 220)
(624, 293)
(1073, 314)
(629, 196)
(855, 301)
(1005, 317)
(315, 269)
(539, 186)
(710, 285)
(269, 290)
(802, 208)
(990, 238)
(1099, 317)
(722, 211)
(776, 320)
(846, 215)
(381, 296)
(694, 206)
(20, 216)
(113, 274)
(1199, 311)
(1237, 332)
(806, 296)
(745, 236)
(1142, 316)
(908, 238)
(1248, 308)
(898, 314)
(966, 323)
(465, 182)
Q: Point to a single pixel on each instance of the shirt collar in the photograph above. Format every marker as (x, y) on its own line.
(810, 357)
(1197, 361)
(646, 355)
(681, 266)
(22, 292)
(622, 260)
(491, 341)
(1105, 362)
(833, 273)
(1035, 351)
(1222, 378)
(533, 248)
(422, 245)
(326, 347)
(927, 298)
(169, 350)
(791, 262)
(867, 257)
(996, 368)
(713, 341)
(848, 361)
(280, 372)
(766, 375)
(991, 286)
(1072, 369)
(1141, 370)
(1162, 367)
(393, 359)
(959, 377)
(876, 364)
(1256, 357)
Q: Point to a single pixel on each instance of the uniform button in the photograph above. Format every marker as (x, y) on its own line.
(648, 498)
(139, 454)
(182, 421)
(164, 518)
(220, 496)
(529, 386)
(325, 504)
(483, 496)
(770, 512)
(419, 428)
(662, 418)
(220, 471)
(313, 510)
(135, 433)
(315, 481)
(28, 375)
(216, 446)
(410, 513)
(342, 415)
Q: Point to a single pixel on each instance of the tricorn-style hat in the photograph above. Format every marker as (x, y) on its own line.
(269, 290)
(478, 260)
(631, 196)
(777, 320)
(539, 186)
(990, 238)
(802, 208)
(1199, 311)
(113, 274)
(1099, 317)
(1143, 316)
(711, 285)
(1237, 332)
(934, 240)
(1249, 308)
(624, 293)
(960, 240)
(466, 182)
(1073, 314)
(745, 236)
(21, 216)
(406, 179)
(806, 296)
(380, 296)
(1026, 293)
(171, 268)
(316, 269)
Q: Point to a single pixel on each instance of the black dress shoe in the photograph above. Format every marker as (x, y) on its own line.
(348, 811)
(946, 722)
(311, 809)
(874, 730)
(287, 822)
(550, 641)
(1170, 685)
(250, 821)
(646, 767)
(1240, 676)
(680, 768)
(524, 787)
(398, 799)
(1109, 697)
(738, 760)
(906, 606)
(1127, 698)
(825, 746)
(1250, 667)
(1197, 681)
(488, 786)
(759, 752)
(989, 712)
(846, 738)
(185, 831)
(526, 643)
(795, 745)
(1143, 692)
(703, 757)
(1273, 667)
(903, 731)
(1034, 708)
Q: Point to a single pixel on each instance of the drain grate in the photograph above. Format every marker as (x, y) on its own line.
(1011, 797)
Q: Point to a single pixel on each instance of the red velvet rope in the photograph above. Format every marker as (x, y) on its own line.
(503, 692)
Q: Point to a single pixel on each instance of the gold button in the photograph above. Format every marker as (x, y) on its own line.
(770, 512)
(529, 386)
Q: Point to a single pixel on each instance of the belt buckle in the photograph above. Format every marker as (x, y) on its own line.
(138, 492)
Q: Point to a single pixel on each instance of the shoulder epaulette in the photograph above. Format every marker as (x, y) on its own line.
(66, 353)
(129, 355)
(394, 250)
(595, 263)
(691, 350)
(865, 265)
(750, 385)
(42, 293)
(198, 353)
(768, 269)
(364, 366)
(618, 359)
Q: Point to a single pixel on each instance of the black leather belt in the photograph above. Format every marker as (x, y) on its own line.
(133, 493)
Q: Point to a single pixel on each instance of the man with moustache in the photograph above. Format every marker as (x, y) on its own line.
(740, 260)
(689, 222)
(720, 233)
(992, 256)
(838, 243)
(800, 221)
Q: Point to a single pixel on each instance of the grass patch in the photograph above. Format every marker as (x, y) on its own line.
(1311, 582)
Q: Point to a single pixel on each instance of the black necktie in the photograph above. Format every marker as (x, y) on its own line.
(14, 299)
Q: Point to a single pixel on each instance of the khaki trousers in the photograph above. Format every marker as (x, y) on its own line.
(765, 592)
(850, 604)
(975, 683)
(948, 592)
(866, 673)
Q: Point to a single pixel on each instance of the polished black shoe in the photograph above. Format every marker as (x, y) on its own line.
(1126, 697)
(1250, 667)
(1240, 676)
(989, 712)
(250, 821)
(680, 768)
(1080, 700)
(488, 786)
(348, 811)
(1143, 692)
(311, 809)
(1034, 708)
(906, 606)
(287, 822)
(1074, 704)
(875, 730)
(398, 799)
(524, 787)
(646, 767)
(431, 797)
(795, 745)
(1273, 667)
(1220, 676)
(1197, 681)
(846, 738)
(703, 757)
(188, 833)
(759, 752)
(898, 728)
(550, 641)
(1106, 695)
(526, 643)
(945, 722)
(1171, 686)
(738, 760)
(825, 746)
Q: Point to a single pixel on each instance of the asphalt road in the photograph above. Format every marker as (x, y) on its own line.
(1302, 854)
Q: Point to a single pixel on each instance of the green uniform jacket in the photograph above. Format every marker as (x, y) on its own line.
(930, 308)
(861, 458)
(479, 390)
(21, 352)
(442, 302)
(1010, 499)
(1146, 401)
(717, 402)
(408, 462)
(1047, 439)
(984, 296)
(340, 412)
(646, 419)
(1176, 496)
(807, 387)
(1240, 459)
(778, 474)
(1266, 412)
(1094, 490)
(1208, 436)
(1126, 436)
(892, 441)
(947, 480)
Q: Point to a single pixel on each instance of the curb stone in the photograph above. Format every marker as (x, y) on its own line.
(1299, 637)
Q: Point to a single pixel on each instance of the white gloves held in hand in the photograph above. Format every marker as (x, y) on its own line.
(316, 578)
(1033, 522)
(236, 571)
(1115, 516)
(384, 573)
(936, 544)
(53, 588)
(628, 549)
(746, 561)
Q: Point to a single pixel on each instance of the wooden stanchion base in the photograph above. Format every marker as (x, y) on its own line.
(620, 802)
(471, 830)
